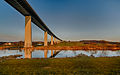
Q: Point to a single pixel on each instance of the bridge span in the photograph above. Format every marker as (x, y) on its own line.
(26, 10)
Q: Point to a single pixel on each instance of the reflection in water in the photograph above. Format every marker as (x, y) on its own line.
(51, 52)
(55, 53)
(28, 53)
(45, 53)
(118, 52)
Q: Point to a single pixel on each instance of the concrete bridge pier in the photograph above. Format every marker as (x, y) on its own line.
(28, 32)
(51, 40)
(54, 40)
(59, 41)
(45, 39)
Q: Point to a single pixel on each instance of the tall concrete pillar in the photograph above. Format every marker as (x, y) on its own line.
(58, 41)
(55, 40)
(28, 32)
(51, 40)
(45, 39)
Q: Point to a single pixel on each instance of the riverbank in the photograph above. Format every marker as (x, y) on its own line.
(80, 65)
(74, 48)
(4, 47)
(96, 45)
(83, 45)
(64, 48)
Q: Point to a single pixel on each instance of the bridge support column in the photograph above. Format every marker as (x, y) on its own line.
(58, 41)
(51, 40)
(55, 40)
(28, 32)
(45, 39)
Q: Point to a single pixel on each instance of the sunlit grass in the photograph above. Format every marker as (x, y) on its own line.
(70, 44)
(80, 65)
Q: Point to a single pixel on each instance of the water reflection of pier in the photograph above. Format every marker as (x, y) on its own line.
(28, 53)
(53, 53)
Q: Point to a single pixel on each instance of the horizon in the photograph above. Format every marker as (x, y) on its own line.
(63, 41)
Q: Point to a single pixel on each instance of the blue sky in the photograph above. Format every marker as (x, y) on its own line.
(68, 19)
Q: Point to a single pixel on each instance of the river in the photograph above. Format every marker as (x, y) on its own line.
(61, 54)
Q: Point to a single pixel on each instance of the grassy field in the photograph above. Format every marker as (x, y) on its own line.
(83, 44)
(70, 44)
(82, 65)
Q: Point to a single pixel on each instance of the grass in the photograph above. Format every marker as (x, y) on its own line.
(70, 44)
(62, 66)
(4, 45)
(81, 44)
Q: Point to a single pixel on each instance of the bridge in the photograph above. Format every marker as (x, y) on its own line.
(26, 10)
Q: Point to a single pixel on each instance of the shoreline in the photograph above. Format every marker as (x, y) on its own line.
(64, 48)
(72, 48)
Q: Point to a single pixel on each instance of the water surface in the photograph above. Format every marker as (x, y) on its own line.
(61, 54)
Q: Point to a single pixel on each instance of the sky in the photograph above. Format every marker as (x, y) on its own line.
(68, 19)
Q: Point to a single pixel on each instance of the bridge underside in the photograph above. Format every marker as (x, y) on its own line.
(25, 9)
